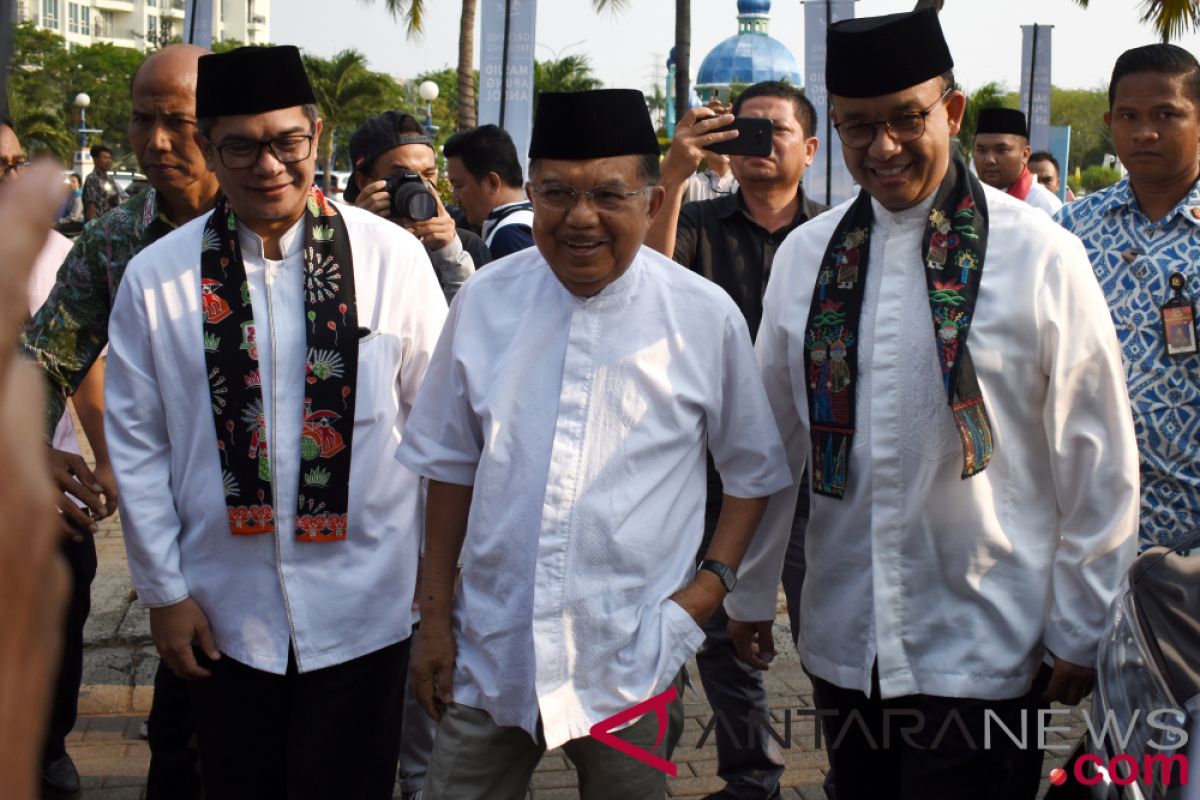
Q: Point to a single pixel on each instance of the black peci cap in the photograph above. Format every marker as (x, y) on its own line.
(573, 126)
(1002, 120)
(874, 56)
(251, 80)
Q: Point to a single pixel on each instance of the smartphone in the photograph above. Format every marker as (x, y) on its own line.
(753, 139)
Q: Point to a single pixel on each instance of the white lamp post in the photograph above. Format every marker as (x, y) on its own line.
(83, 161)
(428, 90)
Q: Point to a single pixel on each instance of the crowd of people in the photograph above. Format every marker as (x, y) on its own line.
(416, 491)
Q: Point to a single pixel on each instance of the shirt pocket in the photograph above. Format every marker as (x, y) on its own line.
(683, 628)
(375, 383)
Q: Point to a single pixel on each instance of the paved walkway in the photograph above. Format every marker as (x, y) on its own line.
(120, 661)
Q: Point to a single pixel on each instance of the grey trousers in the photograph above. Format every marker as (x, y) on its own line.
(475, 759)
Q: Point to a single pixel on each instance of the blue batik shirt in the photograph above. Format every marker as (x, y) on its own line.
(1133, 258)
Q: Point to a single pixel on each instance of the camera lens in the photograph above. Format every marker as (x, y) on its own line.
(412, 199)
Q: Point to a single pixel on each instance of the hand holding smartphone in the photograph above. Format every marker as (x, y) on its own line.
(753, 139)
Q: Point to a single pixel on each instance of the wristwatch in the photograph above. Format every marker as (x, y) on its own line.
(723, 571)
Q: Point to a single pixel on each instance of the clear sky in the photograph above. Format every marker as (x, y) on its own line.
(626, 48)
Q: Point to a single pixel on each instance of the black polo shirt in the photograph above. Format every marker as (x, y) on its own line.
(718, 239)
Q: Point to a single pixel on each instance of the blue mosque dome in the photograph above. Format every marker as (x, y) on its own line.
(750, 56)
(754, 7)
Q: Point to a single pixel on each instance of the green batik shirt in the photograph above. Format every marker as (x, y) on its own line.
(70, 330)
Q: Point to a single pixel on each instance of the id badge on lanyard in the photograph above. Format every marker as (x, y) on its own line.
(1179, 319)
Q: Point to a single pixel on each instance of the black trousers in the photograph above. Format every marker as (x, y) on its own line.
(748, 759)
(81, 561)
(173, 774)
(876, 749)
(329, 733)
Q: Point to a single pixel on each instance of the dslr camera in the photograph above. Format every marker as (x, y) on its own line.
(411, 197)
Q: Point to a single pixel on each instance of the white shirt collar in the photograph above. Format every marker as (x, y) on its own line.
(905, 216)
(290, 243)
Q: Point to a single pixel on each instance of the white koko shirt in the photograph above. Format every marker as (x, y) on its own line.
(333, 600)
(1041, 197)
(955, 586)
(582, 425)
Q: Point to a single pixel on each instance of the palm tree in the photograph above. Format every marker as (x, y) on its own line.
(347, 93)
(990, 95)
(466, 66)
(1170, 18)
(571, 73)
(412, 12)
(683, 56)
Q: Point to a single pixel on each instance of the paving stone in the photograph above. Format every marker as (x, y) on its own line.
(141, 699)
(682, 786)
(107, 665)
(135, 628)
(555, 794)
(553, 760)
(118, 793)
(112, 594)
(100, 730)
(105, 699)
(146, 664)
(553, 779)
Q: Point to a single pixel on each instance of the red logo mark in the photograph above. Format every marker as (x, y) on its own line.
(601, 731)
(1058, 776)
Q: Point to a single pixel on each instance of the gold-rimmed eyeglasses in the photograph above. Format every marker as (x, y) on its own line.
(905, 127)
(563, 196)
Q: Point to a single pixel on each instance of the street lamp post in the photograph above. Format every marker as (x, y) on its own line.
(428, 90)
(83, 160)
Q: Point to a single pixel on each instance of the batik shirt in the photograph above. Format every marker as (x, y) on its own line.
(70, 331)
(103, 192)
(1133, 258)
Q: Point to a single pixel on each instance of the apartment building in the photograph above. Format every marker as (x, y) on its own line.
(143, 24)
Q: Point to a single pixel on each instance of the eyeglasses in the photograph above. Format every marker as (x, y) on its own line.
(10, 168)
(562, 196)
(241, 154)
(902, 127)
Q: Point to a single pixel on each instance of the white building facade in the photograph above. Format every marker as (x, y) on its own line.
(143, 24)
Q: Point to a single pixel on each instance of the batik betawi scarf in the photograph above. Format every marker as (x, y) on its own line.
(231, 355)
(954, 244)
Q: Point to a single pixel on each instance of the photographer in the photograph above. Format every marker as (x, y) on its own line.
(395, 176)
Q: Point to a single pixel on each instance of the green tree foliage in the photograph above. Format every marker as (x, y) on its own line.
(990, 95)
(410, 12)
(1170, 18)
(1098, 176)
(45, 79)
(1083, 110)
(348, 93)
(571, 73)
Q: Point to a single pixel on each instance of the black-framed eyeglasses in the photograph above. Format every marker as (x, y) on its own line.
(10, 168)
(243, 153)
(902, 128)
(563, 196)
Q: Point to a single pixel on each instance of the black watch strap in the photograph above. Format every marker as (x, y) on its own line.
(723, 571)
